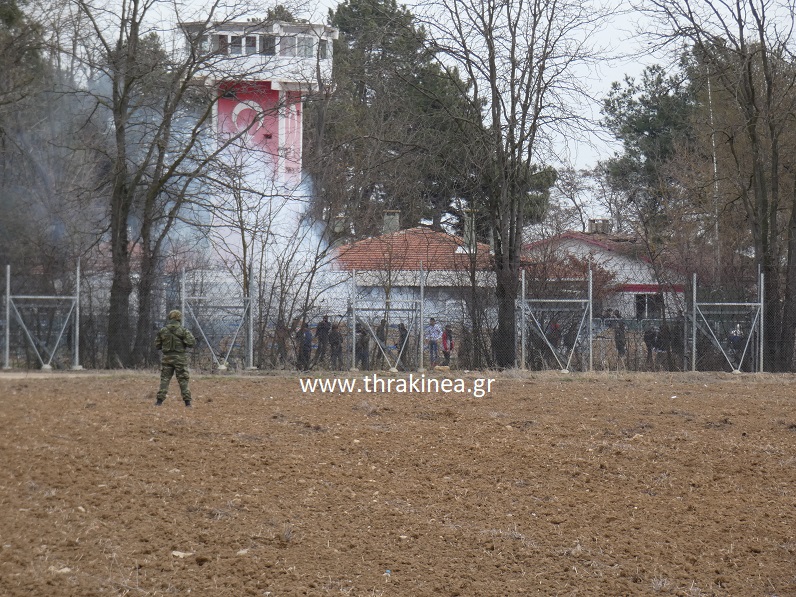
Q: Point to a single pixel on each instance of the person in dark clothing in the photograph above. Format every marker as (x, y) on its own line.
(304, 347)
(650, 341)
(362, 350)
(403, 346)
(336, 348)
(620, 339)
(381, 347)
(281, 337)
(322, 335)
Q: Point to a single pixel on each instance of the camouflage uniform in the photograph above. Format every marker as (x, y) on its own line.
(172, 340)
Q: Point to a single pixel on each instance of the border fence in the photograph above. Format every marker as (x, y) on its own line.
(242, 323)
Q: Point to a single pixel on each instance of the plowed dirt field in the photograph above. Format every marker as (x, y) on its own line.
(552, 484)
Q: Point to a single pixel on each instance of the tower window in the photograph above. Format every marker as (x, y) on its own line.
(287, 46)
(268, 45)
(305, 47)
(236, 45)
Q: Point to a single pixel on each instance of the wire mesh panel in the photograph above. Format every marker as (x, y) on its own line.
(556, 334)
(218, 311)
(727, 334)
(39, 329)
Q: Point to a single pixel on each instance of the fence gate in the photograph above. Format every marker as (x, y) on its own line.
(735, 330)
(561, 328)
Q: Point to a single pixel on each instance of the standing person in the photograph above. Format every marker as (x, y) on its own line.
(381, 347)
(304, 347)
(336, 348)
(322, 334)
(433, 336)
(362, 350)
(447, 345)
(650, 340)
(281, 336)
(620, 339)
(403, 345)
(173, 340)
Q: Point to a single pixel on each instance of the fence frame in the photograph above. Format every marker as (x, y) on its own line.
(404, 306)
(74, 314)
(757, 325)
(186, 306)
(525, 305)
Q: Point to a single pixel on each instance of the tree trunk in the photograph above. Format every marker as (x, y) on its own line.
(118, 354)
(143, 352)
(504, 339)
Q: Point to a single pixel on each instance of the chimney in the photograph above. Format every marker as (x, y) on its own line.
(392, 221)
(599, 226)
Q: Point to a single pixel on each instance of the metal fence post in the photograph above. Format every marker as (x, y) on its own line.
(76, 348)
(250, 306)
(354, 319)
(762, 319)
(523, 339)
(591, 322)
(182, 292)
(693, 322)
(6, 364)
(421, 366)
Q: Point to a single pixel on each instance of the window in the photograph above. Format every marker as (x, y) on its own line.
(202, 44)
(267, 45)
(649, 306)
(236, 45)
(323, 49)
(287, 46)
(222, 44)
(305, 47)
(251, 45)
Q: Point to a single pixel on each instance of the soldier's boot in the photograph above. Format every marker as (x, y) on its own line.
(188, 404)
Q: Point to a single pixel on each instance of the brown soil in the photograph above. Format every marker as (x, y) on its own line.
(552, 485)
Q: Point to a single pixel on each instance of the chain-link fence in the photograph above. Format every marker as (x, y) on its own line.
(243, 320)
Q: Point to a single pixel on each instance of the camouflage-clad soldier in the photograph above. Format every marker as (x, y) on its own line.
(173, 340)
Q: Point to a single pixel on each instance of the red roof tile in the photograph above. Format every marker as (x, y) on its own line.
(409, 250)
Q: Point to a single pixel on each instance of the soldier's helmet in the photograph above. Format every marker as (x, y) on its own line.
(175, 314)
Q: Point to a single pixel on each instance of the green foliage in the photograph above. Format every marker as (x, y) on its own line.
(651, 118)
(21, 64)
(396, 122)
(539, 183)
(280, 13)
(10, 14)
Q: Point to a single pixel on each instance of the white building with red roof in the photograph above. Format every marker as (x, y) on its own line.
(638, 287)
(394, 265)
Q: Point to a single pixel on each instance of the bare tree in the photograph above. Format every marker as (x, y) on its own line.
(142, 81)
(525, 64)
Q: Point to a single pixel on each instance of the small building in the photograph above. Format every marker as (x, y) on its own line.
(389, 269)
(632, 285)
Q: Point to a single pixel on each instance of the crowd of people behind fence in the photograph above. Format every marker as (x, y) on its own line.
(375, 347)
(380, 345)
